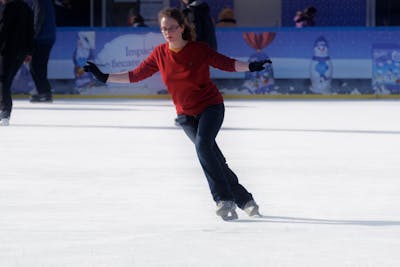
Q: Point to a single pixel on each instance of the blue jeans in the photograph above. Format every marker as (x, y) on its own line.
(202, 130)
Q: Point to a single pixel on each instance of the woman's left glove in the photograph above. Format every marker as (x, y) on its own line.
(91, 67)
(259, 65)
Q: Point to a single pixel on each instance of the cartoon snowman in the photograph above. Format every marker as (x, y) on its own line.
(321, 68)
(83, 52)
(259, 82)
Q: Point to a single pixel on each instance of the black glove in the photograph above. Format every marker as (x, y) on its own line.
(91, 67)
(259, 65)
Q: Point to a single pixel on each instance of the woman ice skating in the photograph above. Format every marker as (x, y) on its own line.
(184, 67)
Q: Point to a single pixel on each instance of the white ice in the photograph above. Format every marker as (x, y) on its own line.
(113, 183)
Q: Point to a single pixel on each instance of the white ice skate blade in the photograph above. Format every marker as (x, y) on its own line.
(253, 212)
(256, 215)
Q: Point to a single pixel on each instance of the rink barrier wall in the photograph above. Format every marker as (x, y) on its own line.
(292, 96)
(355, 62)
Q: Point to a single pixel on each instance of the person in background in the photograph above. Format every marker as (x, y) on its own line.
(184, 66)
(81, 11)
(305, 18)
(136, 21)
(64, 15)
(29, 2)
(16, 44)
(45, 36)
(198, 13)
(226, 18)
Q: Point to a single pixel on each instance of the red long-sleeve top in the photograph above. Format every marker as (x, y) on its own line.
(186, 74)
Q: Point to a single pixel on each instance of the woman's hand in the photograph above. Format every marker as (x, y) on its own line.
(92, 68)
(259, 65)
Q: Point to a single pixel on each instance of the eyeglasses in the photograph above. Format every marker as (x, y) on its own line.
(170, 29)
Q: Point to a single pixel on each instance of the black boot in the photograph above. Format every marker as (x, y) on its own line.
(42, 98)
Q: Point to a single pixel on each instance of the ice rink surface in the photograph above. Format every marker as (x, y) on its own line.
(114, 183)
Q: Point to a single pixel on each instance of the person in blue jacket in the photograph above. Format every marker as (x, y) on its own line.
(44, 38)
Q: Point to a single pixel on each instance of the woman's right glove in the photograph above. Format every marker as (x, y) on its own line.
(92, 68)
(259, 65)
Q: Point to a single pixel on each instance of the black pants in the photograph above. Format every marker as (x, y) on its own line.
(202, 131)
(10, 66)
(38, 67)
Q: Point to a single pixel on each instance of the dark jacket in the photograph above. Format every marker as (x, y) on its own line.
(198, 13)
(45, 21)
(16, 28)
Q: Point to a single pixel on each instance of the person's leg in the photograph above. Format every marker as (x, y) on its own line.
(196, 128)
(38, 68)
(202, 131)
(240, 194)
(11, 64)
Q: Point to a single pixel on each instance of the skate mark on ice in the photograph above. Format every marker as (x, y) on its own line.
(299, 220)
(223, 128)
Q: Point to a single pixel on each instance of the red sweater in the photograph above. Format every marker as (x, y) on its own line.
(186, 75)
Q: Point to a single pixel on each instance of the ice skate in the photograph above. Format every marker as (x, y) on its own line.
(4, 118)
(41, 98)
(251, 208)
(226, 209)
(5, 122)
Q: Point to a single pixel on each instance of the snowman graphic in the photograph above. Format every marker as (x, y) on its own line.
(83, 52)
(321, 67)
(259, 82)
(386, 69)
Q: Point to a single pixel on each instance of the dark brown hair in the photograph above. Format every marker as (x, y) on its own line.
(189, 33)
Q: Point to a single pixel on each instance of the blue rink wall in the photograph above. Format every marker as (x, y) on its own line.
(328, 61)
